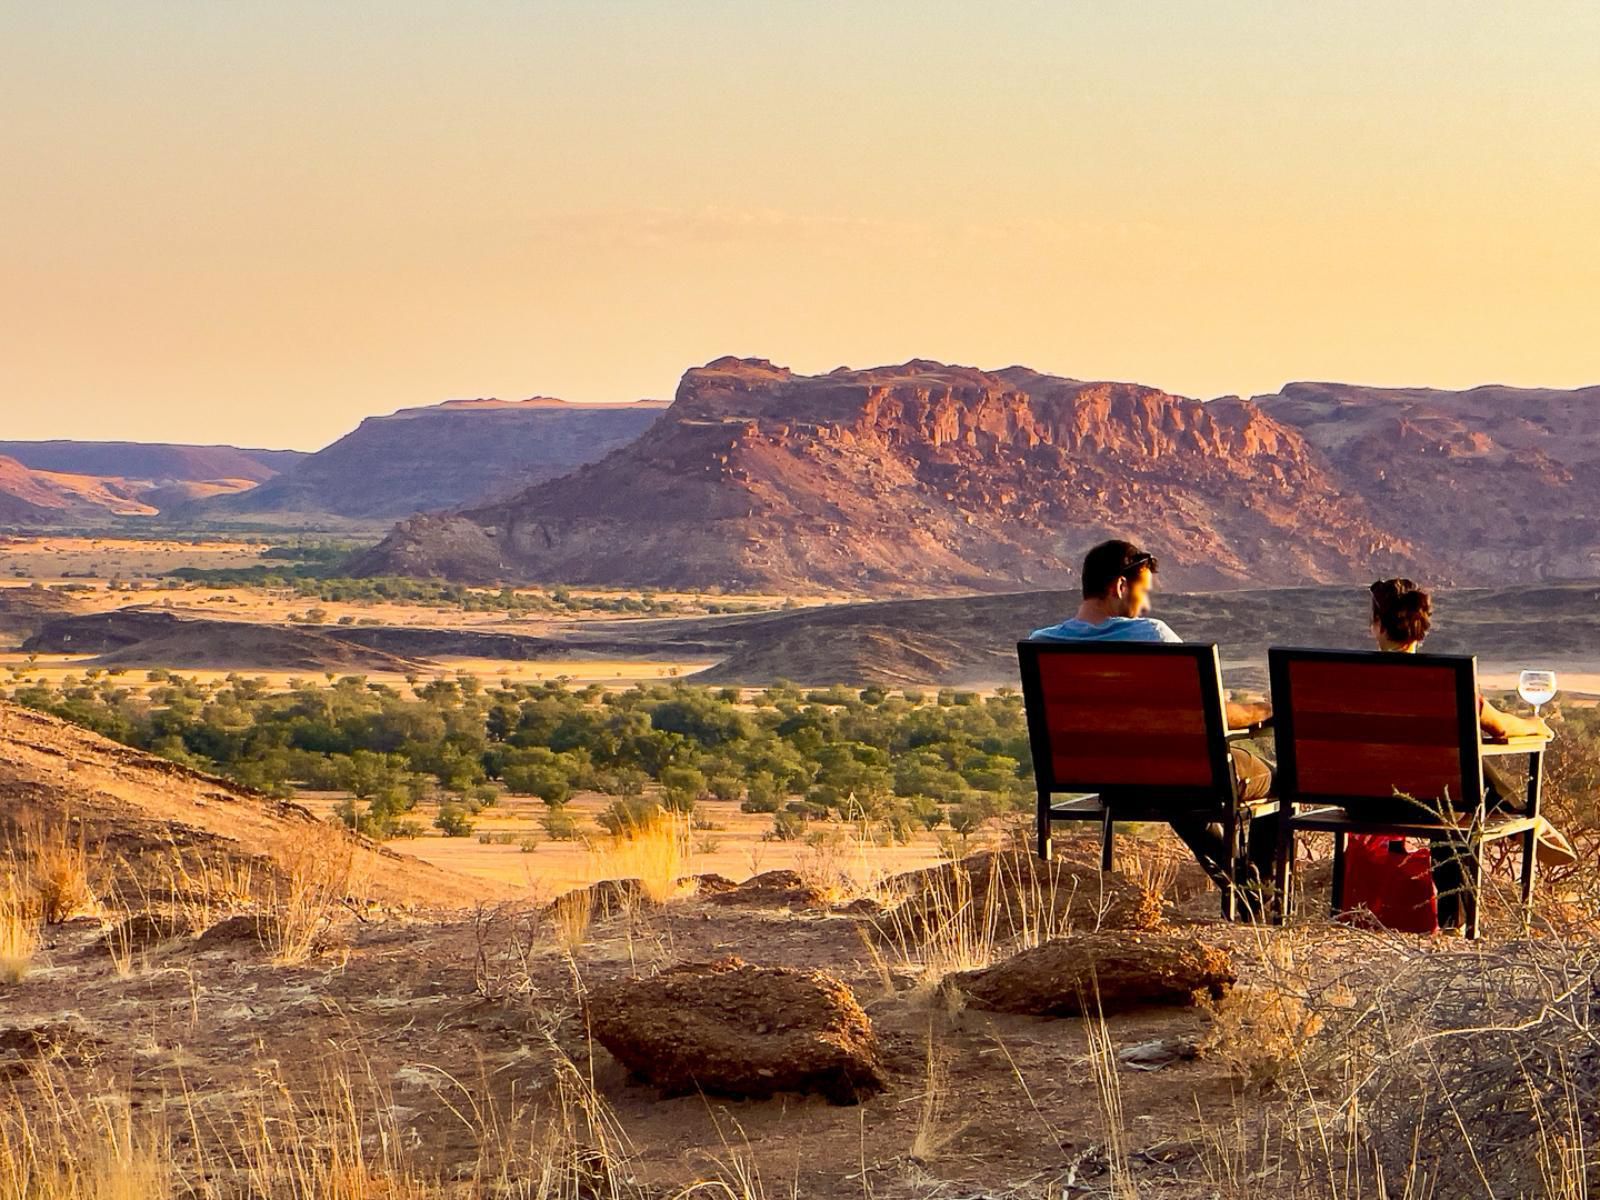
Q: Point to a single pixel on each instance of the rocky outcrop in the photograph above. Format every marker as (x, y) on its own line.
(917, 477)
(440, 457)
(1496, 481)
(1014, 895)
(1095, 973)
(733, 1029)
(773, 889)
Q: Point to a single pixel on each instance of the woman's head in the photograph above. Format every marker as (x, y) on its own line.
(1402, 613)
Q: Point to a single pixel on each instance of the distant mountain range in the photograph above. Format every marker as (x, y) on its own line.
(907, 479)
(88, 483)
(925, 477)
(914, 478)
(414, 460)
(444, 456)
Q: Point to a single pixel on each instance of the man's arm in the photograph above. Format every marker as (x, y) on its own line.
(1500, 726)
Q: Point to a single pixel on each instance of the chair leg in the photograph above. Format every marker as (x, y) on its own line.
(1239, 890)
(1530, 871)
(1283, 869)
(1108, 835)
(1472, 895)
(1044, 848)
(1338, 873)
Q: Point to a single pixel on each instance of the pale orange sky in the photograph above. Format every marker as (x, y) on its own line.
(260, 222)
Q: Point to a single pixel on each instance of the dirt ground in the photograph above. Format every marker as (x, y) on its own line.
(450, 1026)
(731, 843)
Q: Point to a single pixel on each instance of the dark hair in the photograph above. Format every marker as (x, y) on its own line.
(1402, 610)
(1111, 561)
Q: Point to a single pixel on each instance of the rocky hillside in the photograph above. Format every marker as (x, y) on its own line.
(440, 457)
(31, 499)
(156, 461)
(919, 477)
(1496, 481)
(138, 815)
(88, 483)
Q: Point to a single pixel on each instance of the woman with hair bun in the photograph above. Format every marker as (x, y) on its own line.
(1402, 615)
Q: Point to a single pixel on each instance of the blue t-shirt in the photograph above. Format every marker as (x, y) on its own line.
(1114, 629)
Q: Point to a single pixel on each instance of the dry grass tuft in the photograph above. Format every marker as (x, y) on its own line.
(315, 876)
(1259, 1031)
(69, 1151)
(570, 918)
(946, 927)
(55, 865)
(19, 932)
(657, 852)
(934, 1133)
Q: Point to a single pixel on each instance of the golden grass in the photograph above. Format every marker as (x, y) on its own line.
(940, 930)
(208, 890)
(934, 1133)
(55, 863)
(65, 1150)
(316, 872)
(657, 852)
(570, 917)
(19, 932)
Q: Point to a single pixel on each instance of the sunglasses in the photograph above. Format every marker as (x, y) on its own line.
(1138, 563)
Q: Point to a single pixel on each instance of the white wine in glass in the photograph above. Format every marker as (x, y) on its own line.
(1537, 688)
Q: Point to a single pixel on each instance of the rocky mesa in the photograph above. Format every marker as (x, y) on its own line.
(437, 457)
(916, 478)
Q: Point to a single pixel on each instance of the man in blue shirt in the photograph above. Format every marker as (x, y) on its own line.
(1117, 581)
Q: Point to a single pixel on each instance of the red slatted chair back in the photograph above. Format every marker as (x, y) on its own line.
(1145, 720)
(1362, 729)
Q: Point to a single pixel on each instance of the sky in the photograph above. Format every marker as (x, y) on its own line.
(258, 223)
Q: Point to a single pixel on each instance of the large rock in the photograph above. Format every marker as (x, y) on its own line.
(734, 1029)
(1100, 972)
(774, 889)
(1015, 895)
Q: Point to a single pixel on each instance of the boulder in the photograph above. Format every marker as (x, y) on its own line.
(734, 1029)
(606, 899)
(708, 884)
(1020, 897)
(143, 931)
(774, 889)
(259, 928)
(1099, 972)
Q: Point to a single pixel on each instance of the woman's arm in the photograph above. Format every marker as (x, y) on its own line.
(1502, 725)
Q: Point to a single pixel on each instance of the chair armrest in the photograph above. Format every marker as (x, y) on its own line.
(1249, 731)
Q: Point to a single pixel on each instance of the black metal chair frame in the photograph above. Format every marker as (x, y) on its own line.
(1108, 801)
(1401, 816)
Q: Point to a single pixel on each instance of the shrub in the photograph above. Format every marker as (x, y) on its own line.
(453, 821)
(788, 826)
(628, 812)
(549, 783)
(560, 825)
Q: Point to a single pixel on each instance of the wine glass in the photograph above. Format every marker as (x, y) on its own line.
(1537, 688)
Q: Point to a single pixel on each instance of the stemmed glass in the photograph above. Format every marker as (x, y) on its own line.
(1537, 688)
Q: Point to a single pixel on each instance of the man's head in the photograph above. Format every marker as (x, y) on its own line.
(1119, 575)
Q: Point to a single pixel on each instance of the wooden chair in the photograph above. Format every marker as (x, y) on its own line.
(1134, 732)
(1389, 744)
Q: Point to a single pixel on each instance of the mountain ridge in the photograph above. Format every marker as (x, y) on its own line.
(918, 476)
(436, 457)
